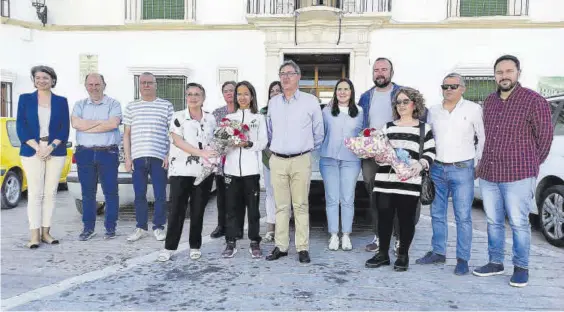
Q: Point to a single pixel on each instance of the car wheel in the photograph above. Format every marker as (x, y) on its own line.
(552, 215)
(99, 207)
(11, 190)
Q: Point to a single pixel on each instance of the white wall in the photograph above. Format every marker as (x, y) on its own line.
(419, 10)
(547, 10)
(423, 57)
(221, 11)
(72, 12)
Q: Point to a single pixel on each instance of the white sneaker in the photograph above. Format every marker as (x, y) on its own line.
(137, 235)
(334, 242)
(346, 243)
(165, 255)
(160, 234)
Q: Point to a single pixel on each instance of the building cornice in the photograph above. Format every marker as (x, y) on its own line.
(473, 23)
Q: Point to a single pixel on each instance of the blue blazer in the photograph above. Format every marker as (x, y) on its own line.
(27, 123)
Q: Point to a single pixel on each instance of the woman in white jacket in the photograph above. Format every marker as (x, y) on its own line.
(242, 172)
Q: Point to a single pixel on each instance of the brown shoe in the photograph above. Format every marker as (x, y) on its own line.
(47, 238)
(374, 245)
(35, 240)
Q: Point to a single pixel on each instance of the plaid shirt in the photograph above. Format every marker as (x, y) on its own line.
(519, 133)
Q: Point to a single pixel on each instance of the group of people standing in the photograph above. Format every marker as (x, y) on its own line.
(513, 130)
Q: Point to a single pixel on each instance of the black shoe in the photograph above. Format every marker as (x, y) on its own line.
(402, 263)
(276, 254)
(218, 232)
(378, 260)
(304, 256)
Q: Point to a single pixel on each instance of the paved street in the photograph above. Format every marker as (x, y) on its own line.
(116, 275)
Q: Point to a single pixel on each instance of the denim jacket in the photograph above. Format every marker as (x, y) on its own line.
(337, 129)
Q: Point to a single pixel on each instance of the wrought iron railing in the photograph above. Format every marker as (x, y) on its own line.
(5, 8)
(273, 7)
(480, 8)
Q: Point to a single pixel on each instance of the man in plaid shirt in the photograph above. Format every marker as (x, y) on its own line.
(519, 133)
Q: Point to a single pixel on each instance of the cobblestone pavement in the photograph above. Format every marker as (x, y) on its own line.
(116, 275)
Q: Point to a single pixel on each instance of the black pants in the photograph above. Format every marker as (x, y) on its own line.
(241, 193)
(182, 189)
(406, 208)
(222, 205)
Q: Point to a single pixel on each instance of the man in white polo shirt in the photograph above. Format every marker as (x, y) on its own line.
(146, 144)
(456, 122)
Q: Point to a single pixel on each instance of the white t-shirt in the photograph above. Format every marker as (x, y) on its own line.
(196, 133)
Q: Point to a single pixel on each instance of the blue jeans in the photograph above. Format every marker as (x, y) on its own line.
(339, 180)
(456, 181)
(93, 166)
(142, 168)
(516, 200)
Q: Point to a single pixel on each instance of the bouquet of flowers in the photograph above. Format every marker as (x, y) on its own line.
(373, 143)
(229, 133)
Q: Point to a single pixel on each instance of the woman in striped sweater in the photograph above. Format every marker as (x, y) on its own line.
(390, 193)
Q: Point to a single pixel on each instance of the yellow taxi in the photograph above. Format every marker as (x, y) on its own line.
(13, 179)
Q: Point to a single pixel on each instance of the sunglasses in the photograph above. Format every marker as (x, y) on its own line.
(404, 102)
(450, 86)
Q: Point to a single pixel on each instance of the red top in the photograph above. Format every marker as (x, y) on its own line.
(519, 133)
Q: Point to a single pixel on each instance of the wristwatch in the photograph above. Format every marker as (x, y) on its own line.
(53, 145)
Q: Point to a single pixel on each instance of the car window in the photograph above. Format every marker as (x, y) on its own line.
(559, 127)
(12, 133)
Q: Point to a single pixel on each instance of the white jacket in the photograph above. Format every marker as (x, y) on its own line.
(240, 161)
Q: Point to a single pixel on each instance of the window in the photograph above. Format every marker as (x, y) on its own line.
(12, 133)
(163, 9)
(170, 88)
(5, 8)
(477, 8)
(479, 87)
(6, 94)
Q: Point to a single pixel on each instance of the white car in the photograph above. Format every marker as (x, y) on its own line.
(125, 186)
(549, 193)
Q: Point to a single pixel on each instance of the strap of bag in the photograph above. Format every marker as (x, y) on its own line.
(421, 138)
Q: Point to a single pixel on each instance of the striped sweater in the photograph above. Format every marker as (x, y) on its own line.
(386, 180)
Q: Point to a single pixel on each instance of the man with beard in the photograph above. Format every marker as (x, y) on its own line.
(376, 105)
(519, 134)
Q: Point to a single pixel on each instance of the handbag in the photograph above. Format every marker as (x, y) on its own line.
(427, 186)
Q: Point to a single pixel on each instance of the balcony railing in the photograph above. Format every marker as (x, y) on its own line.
(273, 7)
(482, 8)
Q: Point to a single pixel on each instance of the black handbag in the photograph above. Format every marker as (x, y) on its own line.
(427, 186)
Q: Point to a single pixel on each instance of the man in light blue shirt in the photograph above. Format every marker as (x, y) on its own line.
(295, 126)
(96, 120)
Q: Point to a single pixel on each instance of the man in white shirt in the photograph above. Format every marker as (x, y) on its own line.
(456, 123)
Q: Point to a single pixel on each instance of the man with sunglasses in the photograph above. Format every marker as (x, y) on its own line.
(456, 122)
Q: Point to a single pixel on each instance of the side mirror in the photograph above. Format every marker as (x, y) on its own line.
(69, 144)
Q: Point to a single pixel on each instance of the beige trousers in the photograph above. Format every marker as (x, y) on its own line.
(290, 179)
(42, 182)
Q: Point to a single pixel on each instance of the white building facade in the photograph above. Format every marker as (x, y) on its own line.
(211, 41)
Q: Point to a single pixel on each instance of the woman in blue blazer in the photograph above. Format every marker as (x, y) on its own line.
(43, 128)
(339, 167)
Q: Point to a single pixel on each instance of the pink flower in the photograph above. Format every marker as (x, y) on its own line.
(245, 127)
(236, 132)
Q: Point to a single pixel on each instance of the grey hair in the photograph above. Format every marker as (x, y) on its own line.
(149, 74)
(456, 75)
(290, 63)
(47, 70)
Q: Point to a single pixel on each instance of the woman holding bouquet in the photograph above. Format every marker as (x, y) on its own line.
(242, 172)
(191, 130)
(392, 193)
(275, 88)
(339, 167)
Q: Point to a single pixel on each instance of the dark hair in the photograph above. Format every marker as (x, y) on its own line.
(353, 110)
(388, 60)
(253, 105)
(508, 57)
(272, 84)
(44, 69)
(230, 82)
(196, 85)
(415, 96)
(101, 77)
